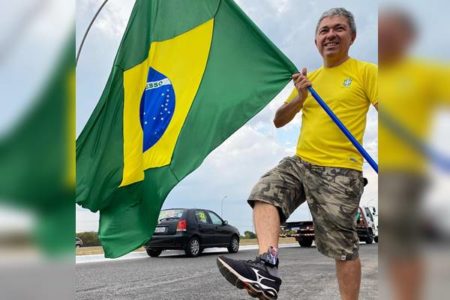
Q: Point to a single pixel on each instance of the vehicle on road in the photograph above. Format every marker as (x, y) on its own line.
(78, 242)
(303, 231)
(374, 213)
(366, 226)
(191, 230)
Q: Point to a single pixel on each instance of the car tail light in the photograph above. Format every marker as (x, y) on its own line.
(363, 223)
(182, 225)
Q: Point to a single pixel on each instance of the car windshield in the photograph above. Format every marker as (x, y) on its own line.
(170, 214)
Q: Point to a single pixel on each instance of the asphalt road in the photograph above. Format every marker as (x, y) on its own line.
(306, 274)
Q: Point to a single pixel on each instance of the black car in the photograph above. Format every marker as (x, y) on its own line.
(191, 230)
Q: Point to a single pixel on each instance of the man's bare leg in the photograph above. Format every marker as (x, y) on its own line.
(349, 278)
(267, 225)
(407, 278)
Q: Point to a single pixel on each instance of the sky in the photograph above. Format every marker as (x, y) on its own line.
(224, 180)
(32, 34)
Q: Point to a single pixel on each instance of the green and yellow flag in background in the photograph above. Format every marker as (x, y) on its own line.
(187, 75)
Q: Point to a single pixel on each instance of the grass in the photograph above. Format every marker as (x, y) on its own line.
(244, 242)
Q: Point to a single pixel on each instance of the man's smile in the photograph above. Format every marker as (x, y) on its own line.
(331, 44)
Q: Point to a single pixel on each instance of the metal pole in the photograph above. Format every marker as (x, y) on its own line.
(344, 129)
(87, 30)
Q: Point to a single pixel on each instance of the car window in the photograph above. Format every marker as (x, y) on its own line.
(215, 218)
(201, 216)
(171, 214)
(369, 214)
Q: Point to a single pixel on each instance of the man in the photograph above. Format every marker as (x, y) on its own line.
(326, 170)
(412, 90)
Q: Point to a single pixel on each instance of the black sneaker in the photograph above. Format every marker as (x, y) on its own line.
(257, 276)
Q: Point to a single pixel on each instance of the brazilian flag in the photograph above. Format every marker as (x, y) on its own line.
(188, 74)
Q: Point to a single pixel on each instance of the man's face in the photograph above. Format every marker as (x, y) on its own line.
(334, 37)
(394, 36)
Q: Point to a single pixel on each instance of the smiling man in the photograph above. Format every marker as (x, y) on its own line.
(326, 171)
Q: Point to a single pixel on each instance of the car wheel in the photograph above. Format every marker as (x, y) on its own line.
(233, 247)
(193, 247)
(369, 238)
(305, 242)
(376, 239)
(153, 252)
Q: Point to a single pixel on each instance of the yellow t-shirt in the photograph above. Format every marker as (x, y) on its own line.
(411, 91)
(348, 89)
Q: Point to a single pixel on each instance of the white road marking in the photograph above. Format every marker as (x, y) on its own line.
(81, 259)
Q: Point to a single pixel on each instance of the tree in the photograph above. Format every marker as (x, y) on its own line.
(249, 235)
(89, 238)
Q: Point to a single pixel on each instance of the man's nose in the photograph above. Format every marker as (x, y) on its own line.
(331, 34)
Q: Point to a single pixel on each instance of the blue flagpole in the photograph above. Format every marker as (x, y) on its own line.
(414, 142)
(344, 130)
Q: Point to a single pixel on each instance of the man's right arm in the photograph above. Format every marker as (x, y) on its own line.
(288, 110)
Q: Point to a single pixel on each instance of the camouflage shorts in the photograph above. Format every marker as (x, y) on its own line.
(333, 196)
(400, 209)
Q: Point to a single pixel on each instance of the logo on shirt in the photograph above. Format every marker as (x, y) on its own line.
(347, 82)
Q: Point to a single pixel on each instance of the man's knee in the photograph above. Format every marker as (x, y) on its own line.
(263, 204)
(348, 263)
(267, 210)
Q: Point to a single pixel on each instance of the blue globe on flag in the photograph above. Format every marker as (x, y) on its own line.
(157, 107)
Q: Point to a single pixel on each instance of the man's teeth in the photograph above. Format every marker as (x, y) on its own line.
(330, 44)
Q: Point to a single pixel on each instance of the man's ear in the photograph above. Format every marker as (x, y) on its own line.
(315, 41)
(353, 37)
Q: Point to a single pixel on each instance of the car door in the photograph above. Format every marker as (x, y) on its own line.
(205, 228)
(222, 233)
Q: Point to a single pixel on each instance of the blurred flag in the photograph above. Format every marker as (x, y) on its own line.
(187, 75)
(37, 159)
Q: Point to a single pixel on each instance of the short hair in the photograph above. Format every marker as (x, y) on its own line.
(339, 11)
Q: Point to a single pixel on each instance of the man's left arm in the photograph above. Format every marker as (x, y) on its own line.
(370, 83)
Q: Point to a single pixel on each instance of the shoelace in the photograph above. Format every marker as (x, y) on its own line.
(258, 262)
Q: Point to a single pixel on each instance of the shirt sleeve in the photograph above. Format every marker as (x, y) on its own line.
(370, 82)
(441, 84)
